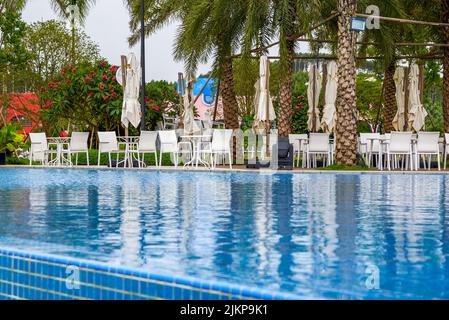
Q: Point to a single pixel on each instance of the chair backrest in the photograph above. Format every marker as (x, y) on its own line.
(79, 141)
(365, 144)
(400, 142)
(428, 142)
(38, 142)
(221, 140)
(168, 140)
(208, 133)
(319, 142)
(446, 138)
(107, 141)
(148, 141)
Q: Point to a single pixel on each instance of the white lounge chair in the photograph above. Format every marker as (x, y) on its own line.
(169, 144)
(318, 144)
(79, 143)
(147, 144)
(108, 144)
(428, 145)
(221, 145)
(400, 145)
(39, 150)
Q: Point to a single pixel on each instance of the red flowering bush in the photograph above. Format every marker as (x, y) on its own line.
(86, 95)
(299, 114)
(160, 96)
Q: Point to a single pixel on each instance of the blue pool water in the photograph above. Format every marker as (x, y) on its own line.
(338, 236)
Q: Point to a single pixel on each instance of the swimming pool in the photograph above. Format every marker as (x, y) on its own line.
(306, 236)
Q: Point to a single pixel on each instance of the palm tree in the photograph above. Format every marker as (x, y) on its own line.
(346, 104)
(385, 40)
(61, 8)
(284, 19)
(209, 28)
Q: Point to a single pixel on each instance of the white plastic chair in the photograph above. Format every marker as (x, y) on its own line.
(221, 145)
(147, 144)
(400, 145)
(169, 144)
(108, 144)
(365, 145)
(318, 144)
(39, 150)
(79, 143)
(428, 145)
(298, 145)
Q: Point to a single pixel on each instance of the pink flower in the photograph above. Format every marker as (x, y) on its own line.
(113, 69)
(105, 77)
(90, 94)
(68, 81)
(88, 79)
(105, 98)
(92, 73)
(51, 84)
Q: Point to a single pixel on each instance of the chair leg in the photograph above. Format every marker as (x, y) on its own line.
(160, 159)
(445, 159)
(87, 157)
(439, 161)
(99, 156)
(230, 159)
(110, 160)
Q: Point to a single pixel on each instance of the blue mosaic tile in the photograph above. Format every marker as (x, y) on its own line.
(45, 278)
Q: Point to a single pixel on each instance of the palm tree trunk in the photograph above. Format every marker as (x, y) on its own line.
(346, 126)
(228, 94)
(389, 98)
(445, 30)
(286, 93)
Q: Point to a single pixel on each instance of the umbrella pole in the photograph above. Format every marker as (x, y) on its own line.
(406, 90)
(267, 109)
(181, 102)
(142, 44)
(124, 63)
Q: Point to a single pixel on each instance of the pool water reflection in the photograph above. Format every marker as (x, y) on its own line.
(318, 235)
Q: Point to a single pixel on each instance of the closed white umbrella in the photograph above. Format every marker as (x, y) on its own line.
(399, 119)
(417, 113)
(329, 112)
(131, 112)
(263, 103)
(313, 121)
(190, 126)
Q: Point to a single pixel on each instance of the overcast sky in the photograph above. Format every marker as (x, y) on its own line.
(107, 24)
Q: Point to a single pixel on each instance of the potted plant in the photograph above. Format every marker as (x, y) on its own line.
(10, 140)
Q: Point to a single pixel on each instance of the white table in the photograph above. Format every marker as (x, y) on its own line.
(131, 144)
(60, 159)
(196, 141)
(383, 141)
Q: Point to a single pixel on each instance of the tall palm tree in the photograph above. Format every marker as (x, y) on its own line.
(209, 28)
(385, 40)
(283, 19)
(346, 103)
(61, 9)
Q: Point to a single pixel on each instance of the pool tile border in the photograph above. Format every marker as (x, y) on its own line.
(37, 276)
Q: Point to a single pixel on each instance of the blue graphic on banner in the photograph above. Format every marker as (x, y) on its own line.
(209, 91)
